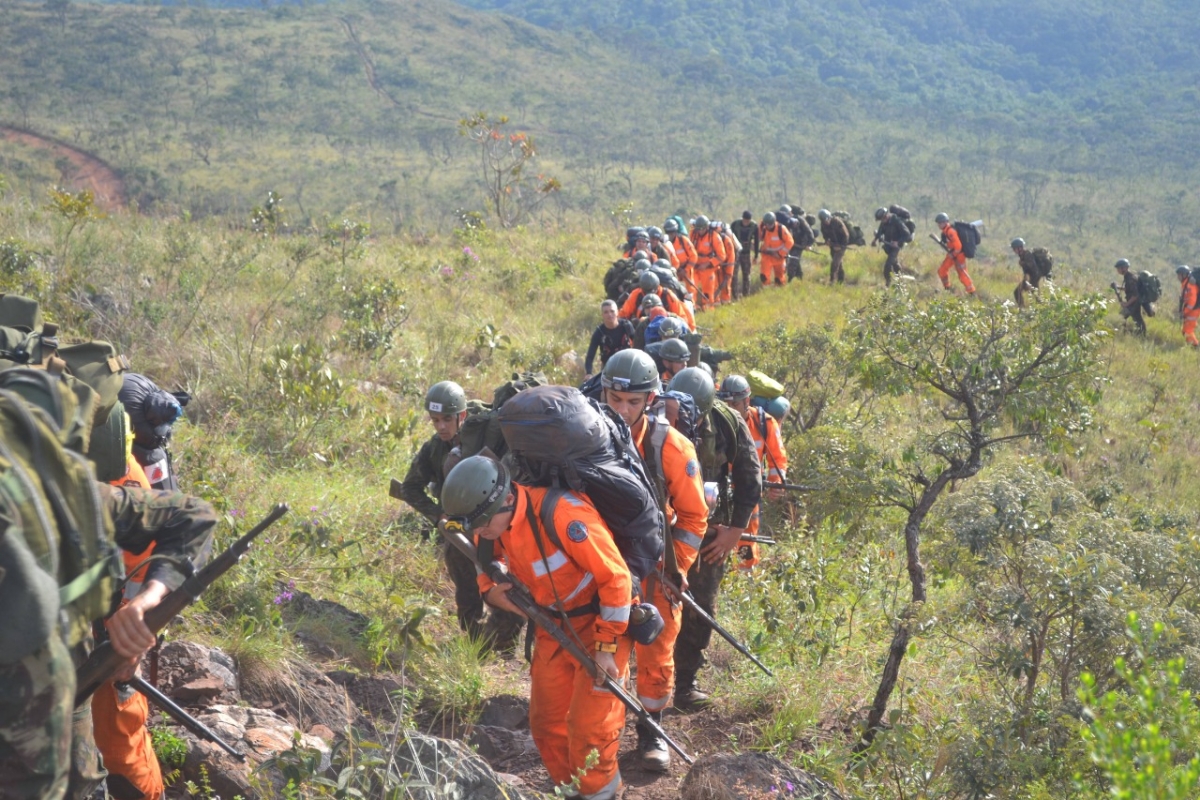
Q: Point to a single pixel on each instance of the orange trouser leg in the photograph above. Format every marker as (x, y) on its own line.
(707, 279)
(122, 739)
(1189, 331)
(773, 268)
(961, 268)
(569, 716)
(656, 662)
(944, 271)
(727, 279)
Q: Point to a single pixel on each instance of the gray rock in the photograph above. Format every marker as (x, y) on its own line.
(505, 711)
(207, 671)
(724, 776)
(500, 745)
(454, 772)
(303, 694)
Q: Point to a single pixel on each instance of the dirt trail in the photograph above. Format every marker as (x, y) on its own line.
(91, 172)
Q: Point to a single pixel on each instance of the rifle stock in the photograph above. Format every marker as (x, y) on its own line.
(104, 662)
(521, 598)
(940, 243)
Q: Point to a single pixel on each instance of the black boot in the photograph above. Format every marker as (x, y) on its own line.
(688, 698)
(652, 748)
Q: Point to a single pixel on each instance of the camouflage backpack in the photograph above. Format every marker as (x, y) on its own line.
(27, 341)
(856, 232)
(57, 552)
(1149, 287)
(1044, 261)
(481, 429)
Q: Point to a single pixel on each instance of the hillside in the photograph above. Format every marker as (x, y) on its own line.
(209, 109)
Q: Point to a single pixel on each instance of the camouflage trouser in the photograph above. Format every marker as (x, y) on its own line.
(836, 273)
(35, 723)
(87, 767)
(892, 265)
(502, 628)
(742, 270)
(794, 269)
(704, 582)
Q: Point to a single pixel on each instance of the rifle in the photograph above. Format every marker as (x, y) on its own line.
(182, 717)
(691, 603)
(520, 597)
(700, 296)
(104, 662)
(939, 243)
(746, 537)
(791, 487)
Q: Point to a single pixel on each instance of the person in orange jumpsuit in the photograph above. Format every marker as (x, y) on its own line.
(662, 246)
(710, 256)
(631, 382)
(648, 284)
(954, 256)
(733, 249)
(1189, 303)
(577, 571)
(775, 241)
(119, 714)
(772, 455)
(685, 254)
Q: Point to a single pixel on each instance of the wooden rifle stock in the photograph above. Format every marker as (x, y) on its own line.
(104, 662)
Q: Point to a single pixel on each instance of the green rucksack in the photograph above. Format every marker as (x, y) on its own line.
(27, 341)
(1043, 261)
(763, 385)
(1149, 287)
(857, 237)
(481, 428)
(56, 551)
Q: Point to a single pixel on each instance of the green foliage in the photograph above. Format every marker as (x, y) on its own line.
(170, 750)
(19, 271)
(362, 768)
(1143, 738)
(268, 218)
(503, 157)
(374, 312)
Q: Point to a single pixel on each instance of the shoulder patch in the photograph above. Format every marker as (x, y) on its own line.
(577, 532)
(693, 468)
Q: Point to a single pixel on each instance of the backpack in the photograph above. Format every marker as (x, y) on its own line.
(969, 236)
(26, 341)
(1043, 260)
(593, 386)
(903, 214)
(560, 439)
(58, 558)
(481, 429)
(1196, 278)
(856, 232)
(1149, 287)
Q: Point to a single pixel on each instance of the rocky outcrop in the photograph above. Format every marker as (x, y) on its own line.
(724, 776)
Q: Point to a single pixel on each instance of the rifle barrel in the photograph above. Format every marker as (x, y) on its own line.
(691, 603)
(182, 717)
(521, 598)
(791, 487)
(104, 662)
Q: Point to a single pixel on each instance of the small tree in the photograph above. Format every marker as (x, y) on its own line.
(504, 157)
(984, 375)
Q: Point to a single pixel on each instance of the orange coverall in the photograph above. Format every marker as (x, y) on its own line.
(768, 441)
(119, 716)
(671, 303)
(954, 258)
(710, 254)
(774, 244)
(688, 511)
(732, 246)
(1189, 312)
(569, 716)
(685, 254)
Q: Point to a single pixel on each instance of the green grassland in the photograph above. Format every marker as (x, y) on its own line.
(308, 356)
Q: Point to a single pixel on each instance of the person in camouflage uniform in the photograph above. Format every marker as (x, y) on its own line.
(46, 746)
(446, 403)
(728, 457)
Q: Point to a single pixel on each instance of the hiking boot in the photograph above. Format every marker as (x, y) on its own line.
(689, 699)
(652, 748)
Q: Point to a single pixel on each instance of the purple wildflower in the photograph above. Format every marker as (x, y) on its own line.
(282, 598)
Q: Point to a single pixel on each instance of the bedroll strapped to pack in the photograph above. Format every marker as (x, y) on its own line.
(61, 556)
(1149, 287)
(969, 236)
(763, 385)
(556, 437)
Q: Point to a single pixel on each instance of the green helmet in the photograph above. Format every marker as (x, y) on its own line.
(652, 301)
(1018, 243)
(1183, 269)
(475, 491)
(1124, 262)
(880, 213)
(630, 371)
(446, 397)
(648, 282)
(674, 350)
(701, 222)
(670, 328)
(768, 218)
(824, 214)
(642, 264)
(697, 383)
(671, 226)
(734, 387)
(942, 218)
(708, 369)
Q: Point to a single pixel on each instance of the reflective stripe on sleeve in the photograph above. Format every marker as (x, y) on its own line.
(688, 538)
(544, 566)
(614, 614)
